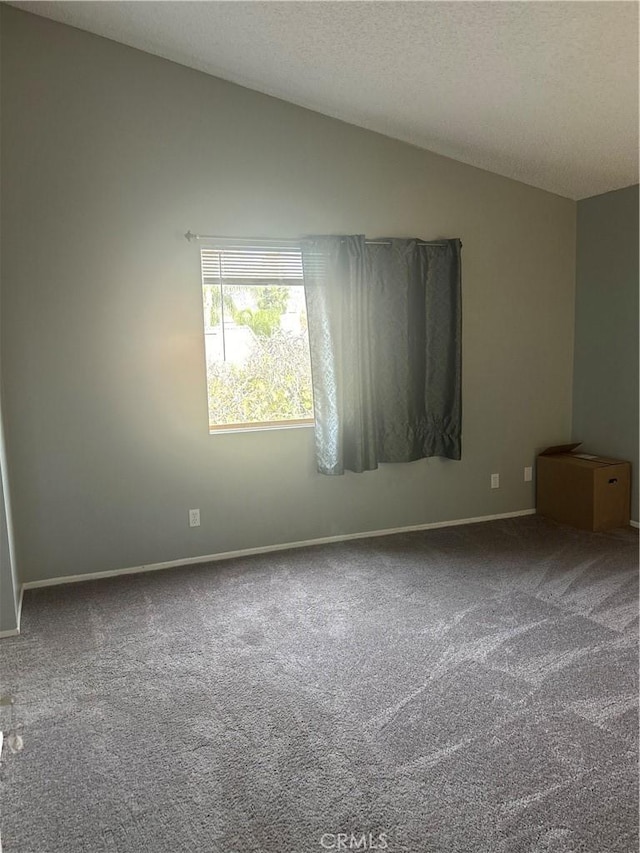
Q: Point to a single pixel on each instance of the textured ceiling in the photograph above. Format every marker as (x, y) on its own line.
(543, 92)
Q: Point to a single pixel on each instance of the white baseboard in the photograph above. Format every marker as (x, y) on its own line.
(634, 524)
(267, 549)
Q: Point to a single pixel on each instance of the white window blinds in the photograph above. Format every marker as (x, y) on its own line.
(251, 266)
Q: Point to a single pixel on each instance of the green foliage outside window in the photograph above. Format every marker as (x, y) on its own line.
(271, 303)
(274, 384)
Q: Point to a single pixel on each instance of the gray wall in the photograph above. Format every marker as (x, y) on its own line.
(605, 390)
(109, 156)
(9, 586)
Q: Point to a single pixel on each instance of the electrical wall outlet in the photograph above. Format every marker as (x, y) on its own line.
(495, 481)
(194, 518)
(528, 474)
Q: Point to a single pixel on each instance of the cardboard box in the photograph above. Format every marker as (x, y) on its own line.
(586, 491)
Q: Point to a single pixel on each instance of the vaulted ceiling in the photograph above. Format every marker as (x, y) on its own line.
(543, 92)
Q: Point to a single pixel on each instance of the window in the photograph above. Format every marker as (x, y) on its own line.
(256, 342)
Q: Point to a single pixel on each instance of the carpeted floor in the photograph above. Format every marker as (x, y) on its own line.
(462, 690)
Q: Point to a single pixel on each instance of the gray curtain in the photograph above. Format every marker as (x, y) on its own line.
(385, 338)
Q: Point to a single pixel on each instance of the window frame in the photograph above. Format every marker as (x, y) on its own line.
(240, 244)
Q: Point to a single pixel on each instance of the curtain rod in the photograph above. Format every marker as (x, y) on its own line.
(290, 241)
